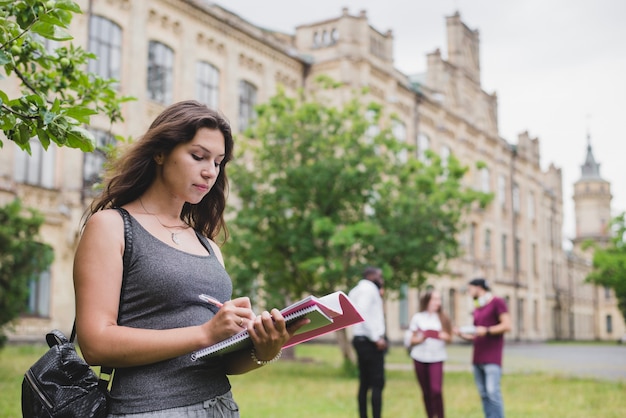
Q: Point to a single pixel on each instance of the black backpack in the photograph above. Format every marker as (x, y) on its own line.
(62, 385)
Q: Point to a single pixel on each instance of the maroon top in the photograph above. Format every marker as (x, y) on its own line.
(488, 349)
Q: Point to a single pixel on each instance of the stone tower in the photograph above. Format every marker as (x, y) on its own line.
(592, 202)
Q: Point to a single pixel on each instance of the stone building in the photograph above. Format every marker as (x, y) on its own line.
(164, 51)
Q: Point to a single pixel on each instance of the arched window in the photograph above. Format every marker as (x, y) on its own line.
(247, 101)
(160, 73)
(105, 41)
(207, 84)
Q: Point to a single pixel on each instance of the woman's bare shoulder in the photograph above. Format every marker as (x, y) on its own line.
(108, 222)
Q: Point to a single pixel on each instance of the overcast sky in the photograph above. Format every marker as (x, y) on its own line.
(558, 67)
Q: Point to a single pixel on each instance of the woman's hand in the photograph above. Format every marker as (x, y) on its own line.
(269, 333)
(232, 318)
(417, 337)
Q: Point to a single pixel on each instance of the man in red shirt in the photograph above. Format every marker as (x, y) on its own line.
(491, 321)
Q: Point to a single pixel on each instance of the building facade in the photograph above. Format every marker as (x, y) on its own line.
(163, 51)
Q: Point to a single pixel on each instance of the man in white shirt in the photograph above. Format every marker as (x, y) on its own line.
(369, 339)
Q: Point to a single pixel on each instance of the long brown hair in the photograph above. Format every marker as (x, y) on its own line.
(131, 174)
(443, 318)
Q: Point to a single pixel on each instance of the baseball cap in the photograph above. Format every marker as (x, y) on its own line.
(480, 282)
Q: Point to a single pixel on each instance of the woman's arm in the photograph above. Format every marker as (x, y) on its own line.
(98, 268)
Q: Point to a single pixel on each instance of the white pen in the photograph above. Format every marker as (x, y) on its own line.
(211, 300)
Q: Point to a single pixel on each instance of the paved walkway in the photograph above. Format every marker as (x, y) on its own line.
(607, 362)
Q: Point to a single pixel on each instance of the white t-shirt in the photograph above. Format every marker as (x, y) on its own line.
(366, 298)
(432, 350)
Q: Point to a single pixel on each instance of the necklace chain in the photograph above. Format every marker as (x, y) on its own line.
(173, 235)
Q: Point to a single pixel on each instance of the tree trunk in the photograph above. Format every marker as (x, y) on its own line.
(345, 346)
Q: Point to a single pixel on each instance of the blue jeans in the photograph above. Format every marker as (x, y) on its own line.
(487, 378)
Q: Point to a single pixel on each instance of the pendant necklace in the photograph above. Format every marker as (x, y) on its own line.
(173, 235)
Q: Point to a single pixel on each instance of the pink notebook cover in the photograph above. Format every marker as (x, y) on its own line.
(431, 333)
(344, 314)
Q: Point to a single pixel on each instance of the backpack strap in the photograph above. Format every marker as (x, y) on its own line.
(56, 337)
(106, 373)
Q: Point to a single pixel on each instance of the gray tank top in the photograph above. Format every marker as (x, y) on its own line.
(160, 291)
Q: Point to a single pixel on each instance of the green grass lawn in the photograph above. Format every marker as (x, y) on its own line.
(315, 386)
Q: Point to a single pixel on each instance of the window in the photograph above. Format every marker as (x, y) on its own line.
(452, 304)
(399, 132)
(445, 155)
(517, 255)
(609, 324)
(607, 292)
(423, 144)
(316, 40)
(502, 191)
(160, 73)
(38, 167)
(531, 206)
(93, 162)
(207, 84)
(472, 241)
(247, 101)
(520, 315)
(485, 180)
(504, 258)
(533, 258)
(488, 243)
(403, 306)
(535, 315)
(39, 295)
(516, 197)
(105, 41)
(373, 129)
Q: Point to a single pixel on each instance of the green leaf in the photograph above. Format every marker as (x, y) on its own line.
(48, 117)
(4, 58)
(51, 31)
(43, 138)
(78, 137)
(80, 113)
(68, 5)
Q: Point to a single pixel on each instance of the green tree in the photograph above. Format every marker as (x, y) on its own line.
(609, 263)
(57, 95)
(22, 257)
(319, 193)
(302, 181)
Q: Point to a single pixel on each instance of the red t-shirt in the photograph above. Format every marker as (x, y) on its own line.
(488, 349)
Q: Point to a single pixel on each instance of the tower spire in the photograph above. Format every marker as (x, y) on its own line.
(590, 169)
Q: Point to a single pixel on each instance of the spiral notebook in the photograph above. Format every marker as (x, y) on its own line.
(327, 314)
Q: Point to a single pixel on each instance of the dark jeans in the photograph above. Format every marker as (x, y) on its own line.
(371, 375)
(430, 378)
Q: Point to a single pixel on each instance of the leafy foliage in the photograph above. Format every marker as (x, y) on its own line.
(420, 213)
(22, 257)
(320, 194)
(609, 263)
(57, 95)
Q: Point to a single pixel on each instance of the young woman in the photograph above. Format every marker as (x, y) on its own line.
(173, 184)
(429, 331)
